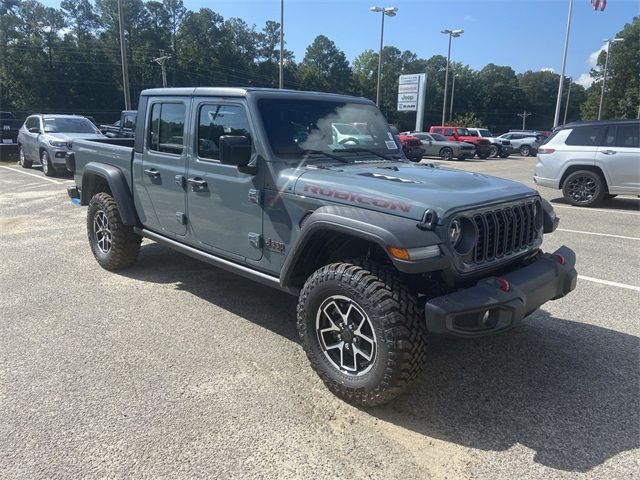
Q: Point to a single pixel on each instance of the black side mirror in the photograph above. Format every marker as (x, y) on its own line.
(34, 130)
(235, 150)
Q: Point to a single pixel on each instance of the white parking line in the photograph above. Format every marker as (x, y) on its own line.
(32, 175)
(596, 233)
(583, 209)
(607, 282)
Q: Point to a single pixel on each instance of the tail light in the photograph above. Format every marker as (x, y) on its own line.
(546, 150)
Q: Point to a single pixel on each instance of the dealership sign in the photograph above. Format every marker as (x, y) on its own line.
(411, 93)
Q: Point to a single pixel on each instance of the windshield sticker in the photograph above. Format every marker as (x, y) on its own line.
(391, 145)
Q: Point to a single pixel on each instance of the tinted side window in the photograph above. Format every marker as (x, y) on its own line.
(215, 121)
(166, 132)
(448, 132)
(627, 136)
(586, 136)
(32, 122)
(129, 121)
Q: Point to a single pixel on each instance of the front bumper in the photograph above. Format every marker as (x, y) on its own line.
(497, 304)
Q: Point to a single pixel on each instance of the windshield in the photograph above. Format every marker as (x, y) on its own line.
(68, 125)
(485, 133)
(439, 138)
(297, 126)
(463, 132)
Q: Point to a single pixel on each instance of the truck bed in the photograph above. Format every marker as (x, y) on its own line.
(112, 151)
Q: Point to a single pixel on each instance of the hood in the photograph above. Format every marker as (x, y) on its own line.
(407, 190)
(69, 137)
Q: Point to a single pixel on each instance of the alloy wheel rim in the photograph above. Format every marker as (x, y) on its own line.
(102, 231)
(525, 151)
(446, 154)
(583, 189)
(493, 152)
(346, 335)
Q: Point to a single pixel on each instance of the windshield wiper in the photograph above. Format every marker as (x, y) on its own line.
(368, 150)
(326, 154)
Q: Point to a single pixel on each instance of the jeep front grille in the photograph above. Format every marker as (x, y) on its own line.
(505, 231)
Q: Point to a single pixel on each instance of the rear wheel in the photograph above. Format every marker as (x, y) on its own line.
(362, 330)
(446, 153)
(525, 150)
(47, 167)
(114, 244)
(584, 188)
(22, 159)
(494, 151)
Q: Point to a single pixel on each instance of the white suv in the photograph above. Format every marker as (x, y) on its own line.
(591, 161)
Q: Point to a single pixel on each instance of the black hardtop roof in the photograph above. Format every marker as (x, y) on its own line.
(599, 122)
(252, 91)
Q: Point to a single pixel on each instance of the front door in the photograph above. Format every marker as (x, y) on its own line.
(620, 157)
(164, 164)
(224, 206)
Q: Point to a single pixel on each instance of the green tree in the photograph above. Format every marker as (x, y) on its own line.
(622, 94)
(325, 68)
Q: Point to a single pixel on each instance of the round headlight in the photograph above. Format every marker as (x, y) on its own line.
(455, 232)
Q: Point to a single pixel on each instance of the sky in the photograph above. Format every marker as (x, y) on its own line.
(524, 34)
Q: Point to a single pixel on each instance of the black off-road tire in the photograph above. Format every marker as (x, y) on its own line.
(594, 190)
(125, 243)
(396, 318)
(22, 159)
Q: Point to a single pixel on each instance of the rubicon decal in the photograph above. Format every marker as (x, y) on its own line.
(379, 202)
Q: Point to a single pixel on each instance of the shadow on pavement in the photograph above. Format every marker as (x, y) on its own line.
(618, 203)
(565, 389)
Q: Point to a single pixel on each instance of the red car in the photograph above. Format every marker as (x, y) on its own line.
(411, 145)
(461, 134)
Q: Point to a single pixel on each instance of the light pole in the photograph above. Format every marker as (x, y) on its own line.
(390, 12)
(281, 79)
(608, 41)
(453, 91)
(452, 34)
(566, 107)
(123, 55)
(556, 117)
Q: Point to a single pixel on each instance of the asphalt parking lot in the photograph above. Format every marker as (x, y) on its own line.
(174, 369)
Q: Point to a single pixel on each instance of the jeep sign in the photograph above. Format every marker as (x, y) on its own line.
(411, 92)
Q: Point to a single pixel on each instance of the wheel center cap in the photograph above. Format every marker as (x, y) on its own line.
(347, 335)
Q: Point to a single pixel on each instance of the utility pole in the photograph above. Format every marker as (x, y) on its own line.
(566, 107)
(123, 54)
(609, 42)
(524, 116)
(556, 118)
(453, 91)
(162, 61)
(281, 80)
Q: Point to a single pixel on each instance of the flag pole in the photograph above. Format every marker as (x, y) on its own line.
(556, 118)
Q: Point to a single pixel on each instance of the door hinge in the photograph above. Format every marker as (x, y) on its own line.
(255, 239)
(181, 217)
(255, 196)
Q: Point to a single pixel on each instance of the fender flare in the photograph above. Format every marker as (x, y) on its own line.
(379, 228)
(117, 184)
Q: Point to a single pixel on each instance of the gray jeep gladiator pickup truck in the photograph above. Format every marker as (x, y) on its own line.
(381, 252)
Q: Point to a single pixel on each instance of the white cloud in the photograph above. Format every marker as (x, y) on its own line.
(547, 69)
(469, 18)
(592, 61)
(584, 79)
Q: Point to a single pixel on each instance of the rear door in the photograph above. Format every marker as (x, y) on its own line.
(619, 157)
(164, 163)
(224, 205)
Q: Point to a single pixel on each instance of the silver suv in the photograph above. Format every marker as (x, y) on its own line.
(591, 161)
(524, 143)
(46, 139)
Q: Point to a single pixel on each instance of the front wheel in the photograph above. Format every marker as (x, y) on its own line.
(22, 159)
(114, 244)
(362, 330)
(584, 188)
(494, 151)
(446, 153)
(47, 167)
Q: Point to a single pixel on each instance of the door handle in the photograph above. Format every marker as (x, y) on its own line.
(197, 183)
(609, 152)
(152, 172)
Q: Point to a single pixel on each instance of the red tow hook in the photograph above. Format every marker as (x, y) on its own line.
(560, 259)
(504, 285)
